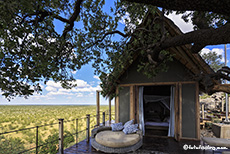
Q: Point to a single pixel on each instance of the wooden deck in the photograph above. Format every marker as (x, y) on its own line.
(151, 145)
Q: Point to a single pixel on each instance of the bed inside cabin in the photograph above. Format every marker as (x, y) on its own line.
(156, 105)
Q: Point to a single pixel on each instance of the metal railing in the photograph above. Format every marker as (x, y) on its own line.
(26, 129)
(62, 135)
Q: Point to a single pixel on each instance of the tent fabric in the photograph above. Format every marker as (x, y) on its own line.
(141, 110)
(172, 113)
(157, 98)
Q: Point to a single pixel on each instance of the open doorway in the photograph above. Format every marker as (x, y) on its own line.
(156, 107)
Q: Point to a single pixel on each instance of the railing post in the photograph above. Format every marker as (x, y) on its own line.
(76, 131)
(61, 138)
(37, 139)
(88, 127)
(98, 108)
(103, 118)
(109, 111)
(202, 109)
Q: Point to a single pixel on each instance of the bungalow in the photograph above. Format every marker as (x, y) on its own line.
(168, 103)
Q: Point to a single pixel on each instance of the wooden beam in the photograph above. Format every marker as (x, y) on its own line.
(156, 83)
(132, 102)
(180, 112)
(117, 106)
(202, 109)
(228, 104)
(109, 111)
(197, 112)
(98, 107)
(176, 109)
(137, 104)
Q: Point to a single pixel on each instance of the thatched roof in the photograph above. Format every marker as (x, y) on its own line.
(193, 62)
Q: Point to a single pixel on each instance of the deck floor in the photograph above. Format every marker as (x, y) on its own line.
(151, 145)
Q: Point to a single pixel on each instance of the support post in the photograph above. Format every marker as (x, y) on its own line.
(76, 131)
(222, 105)
(226, 95)
(103, 118)
(61, 138)
(202, 108)
(98, 108)
(37, 139)
(88, 127)
(132, 103)
(117, 106)
(227, 106)
(109, 111)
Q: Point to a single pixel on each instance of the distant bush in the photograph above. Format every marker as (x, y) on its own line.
(21, 117)
(217, 121)
(51, 144)
(208, 125)
(11, 145)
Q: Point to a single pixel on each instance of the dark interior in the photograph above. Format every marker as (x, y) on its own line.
(156, 114)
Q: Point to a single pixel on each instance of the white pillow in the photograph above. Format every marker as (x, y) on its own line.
(130, 129)
(117, 126)
(128, 123)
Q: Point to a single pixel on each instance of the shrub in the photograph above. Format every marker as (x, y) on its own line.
(208, 125)
(51, 146)
(11, 145)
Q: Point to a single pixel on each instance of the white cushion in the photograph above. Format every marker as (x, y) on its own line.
(116, 139)
(130, 129)
(128, 123)
(117, 126)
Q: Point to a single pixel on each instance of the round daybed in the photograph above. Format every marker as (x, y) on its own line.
(105, 140)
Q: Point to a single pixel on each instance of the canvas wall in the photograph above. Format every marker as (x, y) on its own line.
(124, 104)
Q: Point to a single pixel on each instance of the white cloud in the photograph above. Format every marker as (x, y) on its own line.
(54, 84)
(59, 92)
(37, 96)
(216, 50)
(50, 88)
(42, 86)
(81, 83)
(96, 77)
(82, 89)
(73, 72)
(176, 18)
(79, 95)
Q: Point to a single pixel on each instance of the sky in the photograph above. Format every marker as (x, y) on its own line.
(88, 83)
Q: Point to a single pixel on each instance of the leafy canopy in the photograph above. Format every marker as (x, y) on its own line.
(32, 50)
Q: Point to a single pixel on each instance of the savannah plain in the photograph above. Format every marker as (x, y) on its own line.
(46, 117)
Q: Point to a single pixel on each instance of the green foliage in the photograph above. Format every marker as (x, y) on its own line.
(204, 20)
(204, 96)
(208, 125)
(213, 60)
(27, 116)
(11, 145)
(32, 51)
(51, 144)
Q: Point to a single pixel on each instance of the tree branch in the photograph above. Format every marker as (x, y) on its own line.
(106, 34)
(206, 36)
(74, 16)
(42, 15)
(217, 6)
(207, 81)
(221, 88)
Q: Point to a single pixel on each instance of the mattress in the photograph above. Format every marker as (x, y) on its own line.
(161, 124)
